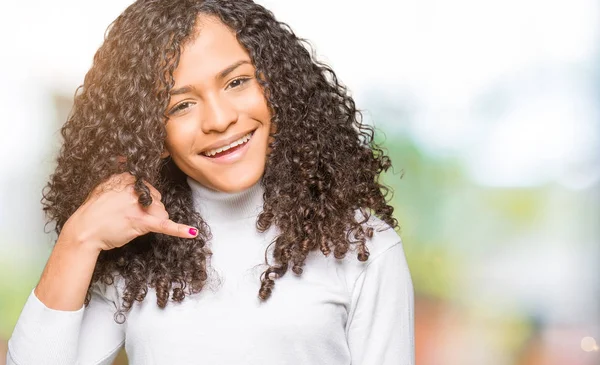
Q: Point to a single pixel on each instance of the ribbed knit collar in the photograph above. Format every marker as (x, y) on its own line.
(218, 207)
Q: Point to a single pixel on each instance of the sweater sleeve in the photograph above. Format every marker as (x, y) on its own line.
(380, 327)
(89, 335)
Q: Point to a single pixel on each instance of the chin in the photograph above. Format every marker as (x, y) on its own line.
(235, 183)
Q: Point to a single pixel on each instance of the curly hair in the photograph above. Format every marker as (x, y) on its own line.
(323, 168)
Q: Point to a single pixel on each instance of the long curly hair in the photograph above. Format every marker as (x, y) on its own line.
(323, 168)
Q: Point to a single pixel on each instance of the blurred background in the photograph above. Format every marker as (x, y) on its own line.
(490, 111)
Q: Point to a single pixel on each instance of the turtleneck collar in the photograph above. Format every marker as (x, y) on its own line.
(218, 207)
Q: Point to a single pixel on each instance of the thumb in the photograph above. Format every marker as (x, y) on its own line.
(167, 226)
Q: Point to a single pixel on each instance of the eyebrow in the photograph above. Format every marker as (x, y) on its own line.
(221, 75)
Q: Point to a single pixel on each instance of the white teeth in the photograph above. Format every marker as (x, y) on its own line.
(240, 141)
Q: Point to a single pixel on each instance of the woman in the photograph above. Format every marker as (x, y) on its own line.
(208, 154)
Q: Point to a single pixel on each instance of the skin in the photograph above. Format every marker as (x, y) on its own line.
(110, 217)
(206, 108)
(216, 96)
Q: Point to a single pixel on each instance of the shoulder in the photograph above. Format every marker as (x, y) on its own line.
(385, 242)
(384, 236)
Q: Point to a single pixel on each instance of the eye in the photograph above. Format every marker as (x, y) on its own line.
(237, 82)
(180, 107)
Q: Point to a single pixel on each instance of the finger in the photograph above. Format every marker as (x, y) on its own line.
(167, 226)
(157, 209)
(153, 191)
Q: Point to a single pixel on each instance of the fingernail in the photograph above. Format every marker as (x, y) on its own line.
(193, 231)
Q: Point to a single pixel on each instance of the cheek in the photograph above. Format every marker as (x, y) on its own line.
(180, 136)
(254, 103)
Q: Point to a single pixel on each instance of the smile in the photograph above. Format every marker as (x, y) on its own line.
(232, 145)
(229, 153)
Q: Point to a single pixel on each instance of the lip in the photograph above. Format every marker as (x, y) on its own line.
(232, 157)
(225, 141)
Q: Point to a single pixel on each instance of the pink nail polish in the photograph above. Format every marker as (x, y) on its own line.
(193, 231)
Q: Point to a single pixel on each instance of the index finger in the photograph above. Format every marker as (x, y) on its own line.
(167, 226)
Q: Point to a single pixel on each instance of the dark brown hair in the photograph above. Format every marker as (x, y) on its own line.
(323, 167)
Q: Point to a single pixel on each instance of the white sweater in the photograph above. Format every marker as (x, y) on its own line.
(338, 312)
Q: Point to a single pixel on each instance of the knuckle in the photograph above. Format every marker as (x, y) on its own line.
(124, 178)
(154, 192)
(115, 178)
(160, 207)
(156, 199)
(165, 224)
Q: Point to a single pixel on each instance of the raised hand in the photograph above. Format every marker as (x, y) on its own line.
(111, 216)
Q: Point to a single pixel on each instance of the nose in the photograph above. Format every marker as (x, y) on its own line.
(219, 114)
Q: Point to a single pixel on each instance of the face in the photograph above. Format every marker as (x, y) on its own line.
(218, 118)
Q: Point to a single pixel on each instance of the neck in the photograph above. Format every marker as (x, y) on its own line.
(219, 207)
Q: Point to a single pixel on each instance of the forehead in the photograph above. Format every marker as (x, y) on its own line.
(212, 48)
